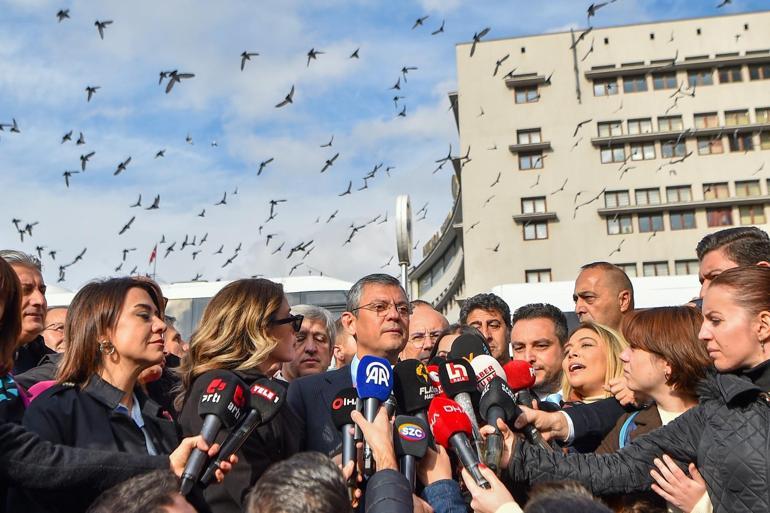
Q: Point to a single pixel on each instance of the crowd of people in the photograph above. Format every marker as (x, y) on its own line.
(390, 407)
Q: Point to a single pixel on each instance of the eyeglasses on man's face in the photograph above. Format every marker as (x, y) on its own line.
(381, 308)
(294, 320)
(419, 338)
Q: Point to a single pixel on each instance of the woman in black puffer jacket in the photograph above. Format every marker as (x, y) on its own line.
(727, 435)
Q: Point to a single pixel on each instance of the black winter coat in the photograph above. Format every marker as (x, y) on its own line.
(268, 444)
(85, 417)
(727, 436)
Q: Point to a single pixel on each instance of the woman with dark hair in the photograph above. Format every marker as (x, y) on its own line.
(447, 336)
(726, 435)
(246, 328)
(11, 400)
(114, 330)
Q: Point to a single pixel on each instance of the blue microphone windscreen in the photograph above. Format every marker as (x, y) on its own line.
(374, 378)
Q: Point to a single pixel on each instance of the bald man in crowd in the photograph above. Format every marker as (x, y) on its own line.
(425, 325)
(603, 294)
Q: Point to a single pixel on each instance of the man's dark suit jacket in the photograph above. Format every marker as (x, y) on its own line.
(310, 397)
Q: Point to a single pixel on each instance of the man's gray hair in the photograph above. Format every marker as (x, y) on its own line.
(15, 257)
(316, 313)
(357, 290)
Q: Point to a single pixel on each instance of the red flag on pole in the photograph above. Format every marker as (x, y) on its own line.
(154, 253)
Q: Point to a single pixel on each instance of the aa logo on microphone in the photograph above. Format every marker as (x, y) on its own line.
(456, 373)
(216, 385)
(411, 432)
(264, 392)
(378, 374)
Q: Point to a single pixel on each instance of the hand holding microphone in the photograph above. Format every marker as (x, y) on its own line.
(223, 403)
(521, 377)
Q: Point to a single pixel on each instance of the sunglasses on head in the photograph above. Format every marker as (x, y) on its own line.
(295, 320)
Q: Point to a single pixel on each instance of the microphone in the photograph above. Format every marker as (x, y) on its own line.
(469, 346)
(486, 368)
(412, 388)
(451, 427)
(459, 382)
(410, 440)
(222, 404)
(521, 376)
(497, 402)
(374, 382)
(267, 398)
(433, 365)
(342, 406)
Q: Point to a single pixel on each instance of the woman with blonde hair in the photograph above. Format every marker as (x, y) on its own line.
(246, 328)
(591, 361)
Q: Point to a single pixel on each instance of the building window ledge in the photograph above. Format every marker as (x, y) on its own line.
(541, 146)
(607, 72)
(683, 205)
(687, 133)
(525, 80)
(535, 217)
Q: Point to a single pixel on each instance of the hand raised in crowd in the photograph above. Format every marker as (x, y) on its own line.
(675, 486)
(618, 387)
(488, 500)
(552, 425)
(178, 458)
(434, 466)
(379, 436)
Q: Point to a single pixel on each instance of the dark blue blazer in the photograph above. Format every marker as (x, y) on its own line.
(310, 397)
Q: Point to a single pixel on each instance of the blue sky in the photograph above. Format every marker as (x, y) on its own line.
(45, 67)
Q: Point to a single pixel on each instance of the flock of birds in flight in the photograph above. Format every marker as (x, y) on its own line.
(305, 247)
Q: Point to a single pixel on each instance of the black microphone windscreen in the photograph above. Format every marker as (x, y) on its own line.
(267, 397)
(225, 395)
(457, 376)
(411, 386)
(342, 406)
(497, 393)
(410, 436)
(469, 346)
(437, 361)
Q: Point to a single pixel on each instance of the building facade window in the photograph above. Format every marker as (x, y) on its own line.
(610, 128)
(643, 151)
(647, 196)
(730, 74)
(664, 81)
(536, 231)
(752, 214)
(678, 193)
(669, 149)
(719, 216)
(737, 117)
(634, 83)
(531, 136)
(686, 267)
(616, 199)
(639, 126)
(613, 154)
(531, 160)
(533, 205)
(619, 224)
(715, 191)
(700, 77)
(764, 140)
(655, 268)
(710, 146)
(537, 275)
(527, 94)
(605, 87)
(706, 120)
(741, 142)
(682, 220)
(747, 188)
(670, 124)
(759, 71)
(650, 223)
(762, 115)
(629, 269)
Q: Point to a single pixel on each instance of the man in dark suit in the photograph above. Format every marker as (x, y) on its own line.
(377, 315)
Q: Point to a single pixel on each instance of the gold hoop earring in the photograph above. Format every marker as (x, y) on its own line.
(106, 347)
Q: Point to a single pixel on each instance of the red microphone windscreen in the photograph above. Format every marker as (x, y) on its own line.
(519, 374)
(447, 418)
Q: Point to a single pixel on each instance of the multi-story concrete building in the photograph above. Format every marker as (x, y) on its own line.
(626, 144)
